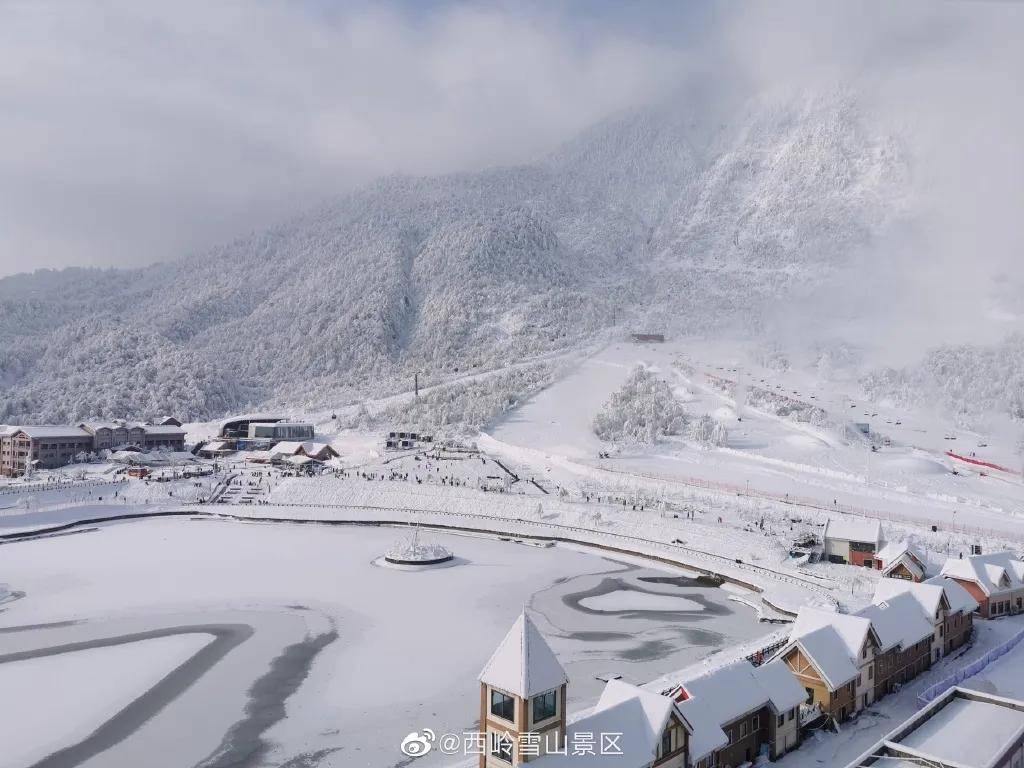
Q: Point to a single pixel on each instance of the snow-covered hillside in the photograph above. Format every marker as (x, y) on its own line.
(667, 217)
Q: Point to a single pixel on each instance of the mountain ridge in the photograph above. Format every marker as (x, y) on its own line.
(653, 218)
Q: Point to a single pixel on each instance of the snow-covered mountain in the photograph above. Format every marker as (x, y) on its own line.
(666, 217)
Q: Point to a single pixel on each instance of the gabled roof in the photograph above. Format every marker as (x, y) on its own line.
(906, 560)
(960, 600)
(928, 595)
(725, 694)
(894, 550)
(853, 529)
(524, 664)
(994, 572)
(637, 716)
(825, 649)
(853, 630)
(899, 622)
(287, 447)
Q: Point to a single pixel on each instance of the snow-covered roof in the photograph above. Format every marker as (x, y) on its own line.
(825, 649)
(908, 561)
(994, 572)
(853, 630)
(287, 447)
(299, 460)
(215, 445)
(929, 596)
(971, 732)
(524, 664)
(53, 431)
(853, 529)
(163, 429)
(899, 621)
(314, 448)
(960, 600)
(725, 694)
(639, 716)
(292, 447)
(962, 728)
(98, 425)
(893, 550)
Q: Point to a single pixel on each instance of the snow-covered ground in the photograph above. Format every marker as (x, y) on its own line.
(82, 693)
(408, 645)
(378, 652)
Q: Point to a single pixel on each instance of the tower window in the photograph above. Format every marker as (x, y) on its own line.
(544, 706)
(503, 706)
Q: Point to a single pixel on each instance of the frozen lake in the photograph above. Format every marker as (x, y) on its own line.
(274, 644)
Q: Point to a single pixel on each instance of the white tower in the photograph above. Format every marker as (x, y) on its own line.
(522, 699)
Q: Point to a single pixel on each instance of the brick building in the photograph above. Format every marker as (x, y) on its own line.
(995, 581)
(41, 447)
(48, 447)
(852, 540)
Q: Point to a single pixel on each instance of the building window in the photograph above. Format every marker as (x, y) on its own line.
(544, 706)
(792, 713)
(756, 723)
(503, 706)
(743, 730)
(666, 742)
(782, 720)
(501, 747)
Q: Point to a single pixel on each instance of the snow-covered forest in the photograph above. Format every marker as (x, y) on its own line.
(967, 381)
(654, 220)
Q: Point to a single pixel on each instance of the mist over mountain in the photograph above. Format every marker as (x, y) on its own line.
(669, 218)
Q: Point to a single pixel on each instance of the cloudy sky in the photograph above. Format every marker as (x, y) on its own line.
(134, 131)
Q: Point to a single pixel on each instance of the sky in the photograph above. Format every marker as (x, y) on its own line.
(134, 131)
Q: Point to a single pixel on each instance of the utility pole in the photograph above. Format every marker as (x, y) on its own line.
(416, 384)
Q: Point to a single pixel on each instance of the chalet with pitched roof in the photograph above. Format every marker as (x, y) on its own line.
(995, 581)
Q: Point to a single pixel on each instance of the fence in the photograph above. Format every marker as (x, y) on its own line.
(969, 670)
(822, 506)
(818, 504)
(635, 545)
(58, 485)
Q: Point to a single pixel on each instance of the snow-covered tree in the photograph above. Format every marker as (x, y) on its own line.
(709, 432)
(642, 412)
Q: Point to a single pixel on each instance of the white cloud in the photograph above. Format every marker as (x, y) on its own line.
(136, 131)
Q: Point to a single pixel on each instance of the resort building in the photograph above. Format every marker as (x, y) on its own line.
(960, 729)
(280, 430)
(740, 711)
(49, 447)
(833, 657)
(959, 621)
(852, 540)
(995, 581)
(522, 716)
(41, 447)
(947, 605)
(112, 435)
(898, 560)
(905, 634)
(522, 699)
